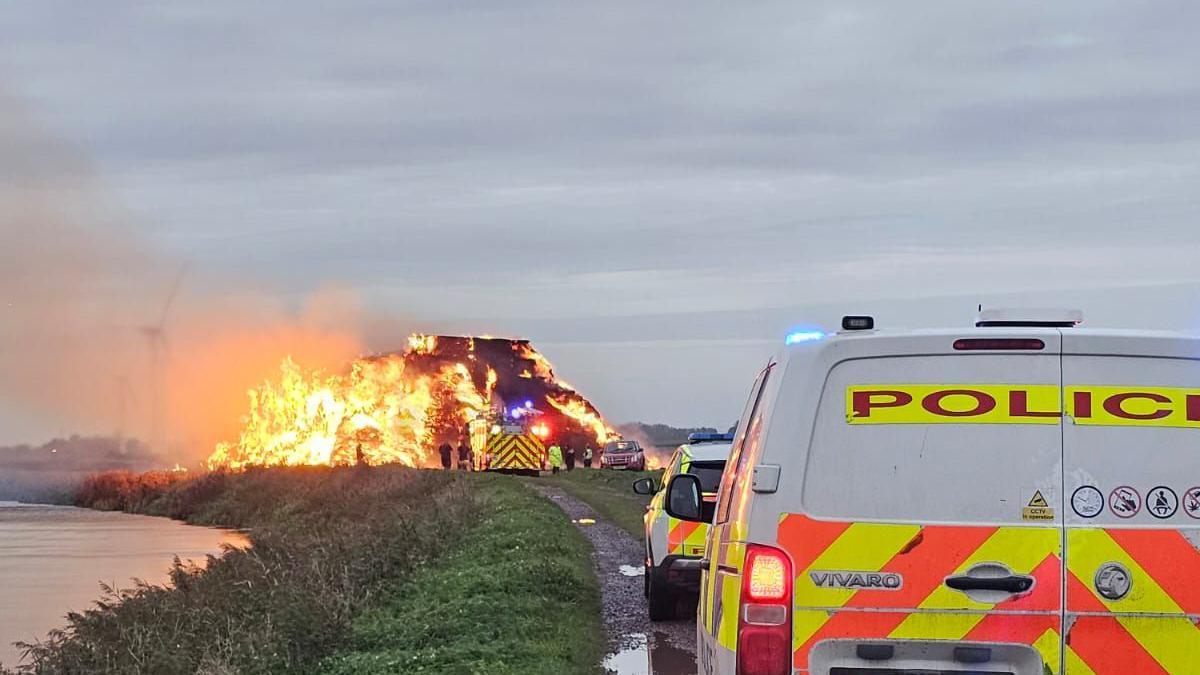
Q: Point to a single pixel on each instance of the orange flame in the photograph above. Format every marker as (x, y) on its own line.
(389, 409)
(577, 410)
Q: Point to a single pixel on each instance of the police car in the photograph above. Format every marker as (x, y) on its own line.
(674, 547)
(1021, 497)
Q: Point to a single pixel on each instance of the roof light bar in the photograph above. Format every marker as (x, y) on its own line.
(804, 336)
(709, 437)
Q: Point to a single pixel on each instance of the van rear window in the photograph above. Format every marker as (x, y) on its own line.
(970, 446)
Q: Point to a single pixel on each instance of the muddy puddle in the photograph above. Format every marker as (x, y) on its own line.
(651, 655)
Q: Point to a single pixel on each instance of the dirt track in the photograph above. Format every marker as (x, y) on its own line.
(636, 646)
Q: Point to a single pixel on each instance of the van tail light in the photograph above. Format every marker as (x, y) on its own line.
(765, 620)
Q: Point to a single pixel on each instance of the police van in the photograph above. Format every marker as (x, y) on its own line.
(1021, 497)
(674, 547)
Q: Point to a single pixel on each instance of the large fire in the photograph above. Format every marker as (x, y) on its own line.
(397, 407)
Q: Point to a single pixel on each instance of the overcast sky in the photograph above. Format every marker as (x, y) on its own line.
(652, 192)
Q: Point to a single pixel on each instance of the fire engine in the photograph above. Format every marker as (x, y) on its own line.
(512, 441)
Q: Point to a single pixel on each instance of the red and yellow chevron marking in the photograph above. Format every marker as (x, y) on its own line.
(684, 538)
(515, 452)
(1147, 631)
(923, 608)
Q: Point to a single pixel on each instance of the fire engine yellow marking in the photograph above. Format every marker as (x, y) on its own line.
(1173, 641)
(510, 451)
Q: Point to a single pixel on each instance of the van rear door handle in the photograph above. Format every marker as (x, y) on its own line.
(1014, 583)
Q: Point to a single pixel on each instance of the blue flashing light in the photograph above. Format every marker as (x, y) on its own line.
(804, 336)
(528, 404)
(709, 437)
(516, 413)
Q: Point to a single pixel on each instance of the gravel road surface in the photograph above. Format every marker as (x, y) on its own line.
(636, 646)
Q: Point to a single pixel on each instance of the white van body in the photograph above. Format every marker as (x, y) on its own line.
(923, 490)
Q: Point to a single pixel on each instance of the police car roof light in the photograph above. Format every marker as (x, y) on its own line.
(709, 437)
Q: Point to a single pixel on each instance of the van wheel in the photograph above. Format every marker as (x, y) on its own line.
(646, 581)
(661, 600)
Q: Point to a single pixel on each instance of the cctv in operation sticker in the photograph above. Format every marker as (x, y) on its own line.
(1038, 510)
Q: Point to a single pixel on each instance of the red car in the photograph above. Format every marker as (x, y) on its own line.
(623, 455)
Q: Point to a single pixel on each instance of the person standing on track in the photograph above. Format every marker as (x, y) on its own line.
(464, 455)
(587, 456)
(556, 458)
(445, 451)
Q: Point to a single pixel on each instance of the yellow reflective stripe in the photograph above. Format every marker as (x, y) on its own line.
(731, 597)
(1076, 665)
(1048, 646)
(806, 623)
(674, 547)
(1091, 548)
(936, 625)
(1173, 641)
(1020, 548)
(863, 547)
(694, 543)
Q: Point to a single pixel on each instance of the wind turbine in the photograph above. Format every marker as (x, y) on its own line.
(156, 341)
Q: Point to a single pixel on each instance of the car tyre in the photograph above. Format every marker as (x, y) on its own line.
(661, 600)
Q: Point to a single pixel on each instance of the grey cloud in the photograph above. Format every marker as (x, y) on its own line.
(518, 164)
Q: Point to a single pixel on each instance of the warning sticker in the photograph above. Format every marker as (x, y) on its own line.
(1038, 509)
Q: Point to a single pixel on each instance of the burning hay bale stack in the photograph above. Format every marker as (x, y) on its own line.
(398, 407)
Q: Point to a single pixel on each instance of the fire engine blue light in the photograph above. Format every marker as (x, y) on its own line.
(528, 404)
(516, 413)
(804, 336)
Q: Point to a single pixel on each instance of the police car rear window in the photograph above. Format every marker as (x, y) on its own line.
(709, 474)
